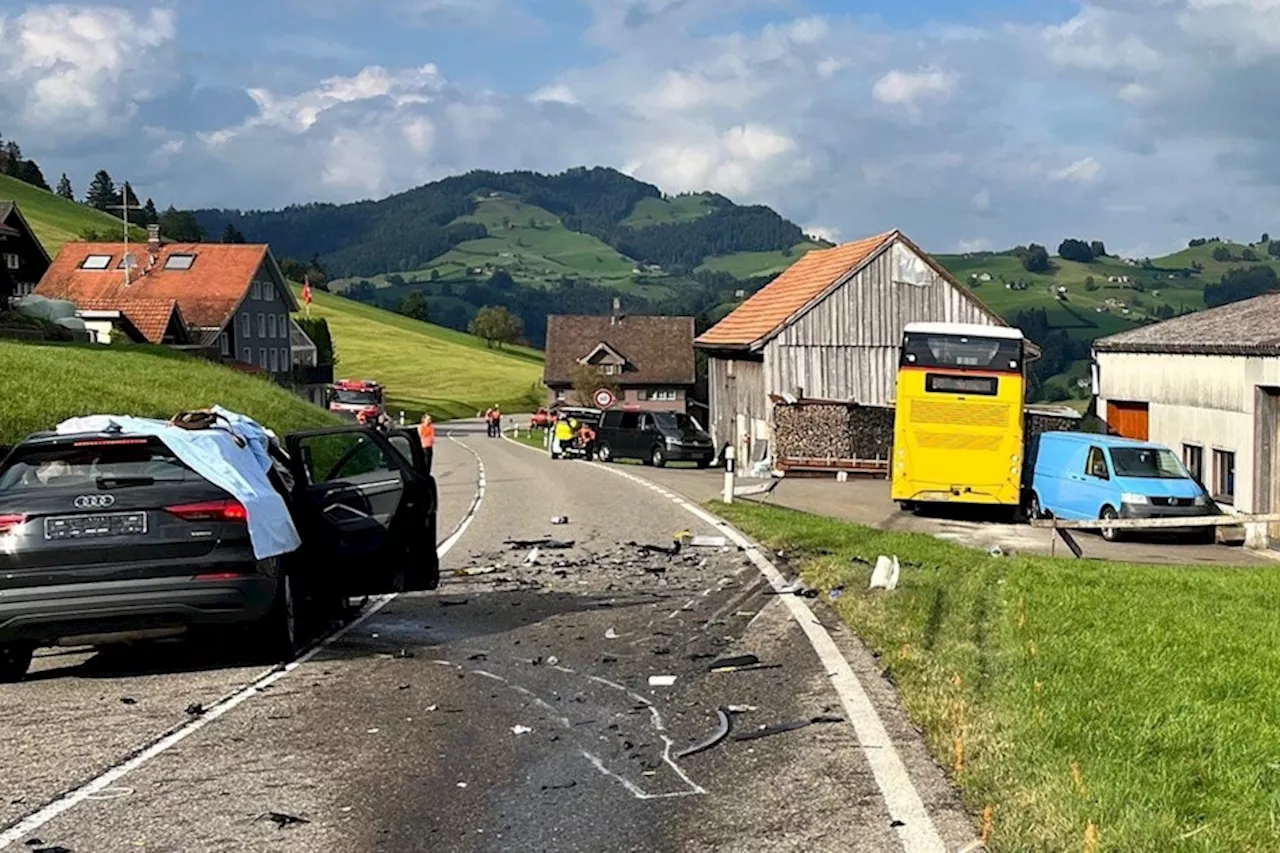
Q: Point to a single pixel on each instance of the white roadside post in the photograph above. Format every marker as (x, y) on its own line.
(729, 455)
(402, 417)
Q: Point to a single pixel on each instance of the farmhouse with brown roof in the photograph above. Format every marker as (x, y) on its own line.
(1207, 386)
(231, 298)
(829, 327)
(23, 259)
(649, 358)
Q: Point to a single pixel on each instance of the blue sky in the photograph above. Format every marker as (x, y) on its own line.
(1139, 122)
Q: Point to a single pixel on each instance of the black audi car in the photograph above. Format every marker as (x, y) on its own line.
(110, 537)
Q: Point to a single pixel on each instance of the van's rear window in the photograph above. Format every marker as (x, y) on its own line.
(71, 466)
(942, 383)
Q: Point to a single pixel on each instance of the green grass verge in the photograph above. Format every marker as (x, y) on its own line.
(428, 368)
(57, 221)
(1143, 701)
(47, 383)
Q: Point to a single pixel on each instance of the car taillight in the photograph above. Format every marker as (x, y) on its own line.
(228, 510)
(10, 520)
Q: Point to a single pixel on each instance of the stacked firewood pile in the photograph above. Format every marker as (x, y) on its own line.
(1037, 424)
(829, 430)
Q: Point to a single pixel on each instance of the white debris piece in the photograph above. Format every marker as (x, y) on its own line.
(520, 730)
(885, 574)
(533, 557)
(661, 680)
(611, 634)
(707, 542)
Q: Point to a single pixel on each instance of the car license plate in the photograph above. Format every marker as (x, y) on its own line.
(95, 526)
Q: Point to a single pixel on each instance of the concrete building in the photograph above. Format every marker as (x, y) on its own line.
(1206, 385)
(829, 328)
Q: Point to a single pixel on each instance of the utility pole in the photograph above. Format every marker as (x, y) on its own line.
(124, 207)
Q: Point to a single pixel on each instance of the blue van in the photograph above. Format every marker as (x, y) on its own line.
(1082, 476)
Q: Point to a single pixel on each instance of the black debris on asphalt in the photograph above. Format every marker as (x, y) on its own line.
(780, 728)
(721, 732)
(195, 709)
(283, 820)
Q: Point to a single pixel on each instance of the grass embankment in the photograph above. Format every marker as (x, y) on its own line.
(427, 368)
(57, 221)
(1137, 705)
(47, 383)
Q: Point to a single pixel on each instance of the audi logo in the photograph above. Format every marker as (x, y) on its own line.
(94, 501)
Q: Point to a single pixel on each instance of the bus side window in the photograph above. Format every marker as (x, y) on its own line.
(1098, 464)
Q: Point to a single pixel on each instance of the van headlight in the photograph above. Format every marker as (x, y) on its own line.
(1133, 498)
(1201, 500)
(673, 442)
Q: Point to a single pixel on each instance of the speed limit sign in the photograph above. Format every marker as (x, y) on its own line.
(604, 398)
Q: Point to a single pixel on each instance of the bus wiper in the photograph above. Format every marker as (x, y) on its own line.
(123, 482)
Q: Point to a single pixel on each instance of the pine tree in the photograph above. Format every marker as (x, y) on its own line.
(231, 234)
(28, 171)
(64, 188)
(129, 198)
(12, 158)
(102, 191)
(149, 214)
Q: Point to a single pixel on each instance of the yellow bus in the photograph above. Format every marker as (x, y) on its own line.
(958, 422)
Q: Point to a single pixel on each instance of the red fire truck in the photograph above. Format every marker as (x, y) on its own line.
(351, 398)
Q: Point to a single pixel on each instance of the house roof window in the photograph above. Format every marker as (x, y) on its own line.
(96, 262)
(179, 262)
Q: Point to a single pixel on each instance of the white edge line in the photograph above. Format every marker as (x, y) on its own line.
(23, 828)
(916, 831)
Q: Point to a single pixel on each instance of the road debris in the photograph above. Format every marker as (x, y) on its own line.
(661, 680)
(780, 728)
(195, 709)
(885, 574)
(727, 664)
(520, 730)
(128, 700)
(479, 570)
(561, 786)
(721, 732)
(611, 634)
(282, 820)
(671, 550)
(560, 519)
(835, 593)
(444, 602)
(708, 542)
(532, 557)
(543, 542)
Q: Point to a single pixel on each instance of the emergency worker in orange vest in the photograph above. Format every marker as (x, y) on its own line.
(427, 435)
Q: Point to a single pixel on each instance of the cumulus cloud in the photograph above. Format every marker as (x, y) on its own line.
(855, 126)
(82, 71)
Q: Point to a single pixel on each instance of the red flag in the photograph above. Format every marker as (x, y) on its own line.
(306, 290)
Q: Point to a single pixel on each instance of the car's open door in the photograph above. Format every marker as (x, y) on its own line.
(359, 500)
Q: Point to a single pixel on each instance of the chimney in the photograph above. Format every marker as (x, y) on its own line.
(153, 239)
(617, 312)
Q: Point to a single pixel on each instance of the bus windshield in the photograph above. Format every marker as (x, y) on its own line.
(961, 351)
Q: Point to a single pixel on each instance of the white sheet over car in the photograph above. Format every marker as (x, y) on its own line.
(215, 455)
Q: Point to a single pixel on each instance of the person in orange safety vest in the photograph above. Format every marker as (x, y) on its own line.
(427, 435)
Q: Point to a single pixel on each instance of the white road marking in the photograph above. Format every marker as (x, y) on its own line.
(98, 787)
(916, 830)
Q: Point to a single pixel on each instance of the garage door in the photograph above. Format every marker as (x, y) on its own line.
(1131, 420)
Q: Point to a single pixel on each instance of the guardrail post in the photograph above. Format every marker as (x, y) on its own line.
(402, 417)
(729, 472)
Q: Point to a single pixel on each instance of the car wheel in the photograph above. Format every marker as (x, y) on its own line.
(1110, 534)
(604, 452)
(659, 458)
(277, 634)
(15, 660)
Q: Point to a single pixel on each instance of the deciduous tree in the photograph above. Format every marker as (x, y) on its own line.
(415, 305)
(495, 325)
(587, 379)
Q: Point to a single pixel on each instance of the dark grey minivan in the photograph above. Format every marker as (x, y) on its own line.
(656, 438)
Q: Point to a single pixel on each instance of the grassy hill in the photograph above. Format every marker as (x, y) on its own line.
(47, 383)
(56, 220)
(425, 367)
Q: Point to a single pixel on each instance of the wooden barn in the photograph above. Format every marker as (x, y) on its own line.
(827, 329)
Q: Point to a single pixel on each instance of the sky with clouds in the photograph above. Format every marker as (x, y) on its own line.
(975, 125)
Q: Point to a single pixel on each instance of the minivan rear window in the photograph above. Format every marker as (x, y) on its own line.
(86, 464)
(1151, 462)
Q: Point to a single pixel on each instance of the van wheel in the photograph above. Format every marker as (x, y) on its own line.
(1110, 534)
(1035, 510)
(604, 452)
(15, 660)
(659, 458)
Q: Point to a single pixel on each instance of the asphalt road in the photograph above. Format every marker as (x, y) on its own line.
(511, 710)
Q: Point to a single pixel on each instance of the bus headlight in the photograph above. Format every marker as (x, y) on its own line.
(1133, 498)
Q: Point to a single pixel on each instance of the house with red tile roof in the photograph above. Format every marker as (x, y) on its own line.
(227, 297)
(829, 327)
